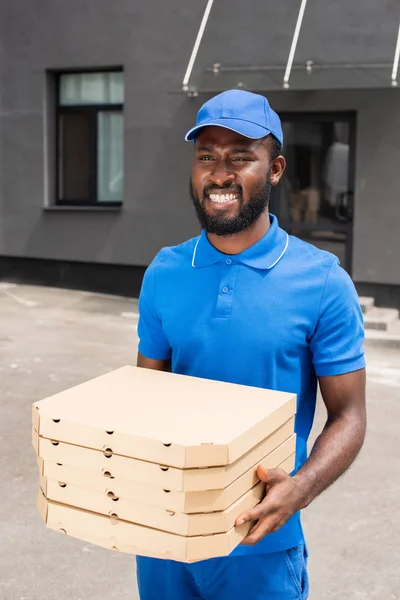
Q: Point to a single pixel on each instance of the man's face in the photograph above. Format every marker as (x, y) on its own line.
(231, 180)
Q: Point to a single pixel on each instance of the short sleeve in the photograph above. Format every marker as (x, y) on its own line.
(153, 342)
(337, 341)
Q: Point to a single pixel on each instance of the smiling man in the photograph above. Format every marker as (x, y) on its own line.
(246, 303)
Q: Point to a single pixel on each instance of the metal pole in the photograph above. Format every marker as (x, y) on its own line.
(396, 60)
(196, 45)
(294, 43)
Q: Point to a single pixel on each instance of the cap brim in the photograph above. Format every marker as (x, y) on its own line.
(245, 128)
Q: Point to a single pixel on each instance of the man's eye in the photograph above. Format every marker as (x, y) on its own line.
(241, 159)
(205, 158)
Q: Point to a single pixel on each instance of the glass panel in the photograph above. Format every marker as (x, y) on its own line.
(91, 88)
(351, 46)
(110, 168)
(313, 199)
(74, 156)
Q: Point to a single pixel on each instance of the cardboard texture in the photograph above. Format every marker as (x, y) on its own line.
(173, 420)
(153, 516)
(35, 441)
(185, 502)
(170, 478)
(136, 539)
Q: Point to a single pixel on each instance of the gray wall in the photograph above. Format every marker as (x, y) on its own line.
(153, 41)
(51, 34)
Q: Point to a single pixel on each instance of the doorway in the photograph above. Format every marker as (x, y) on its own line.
(315, 197)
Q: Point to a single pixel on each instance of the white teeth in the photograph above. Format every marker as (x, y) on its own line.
(222, 197)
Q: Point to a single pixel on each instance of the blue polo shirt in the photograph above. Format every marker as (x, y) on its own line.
(277, 316)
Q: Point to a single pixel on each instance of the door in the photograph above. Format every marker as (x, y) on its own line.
(315, 197)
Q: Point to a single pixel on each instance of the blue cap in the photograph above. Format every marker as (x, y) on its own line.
(244, 112)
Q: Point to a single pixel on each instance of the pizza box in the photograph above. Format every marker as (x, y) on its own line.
(170, 478)
(173, 420)
(184, 502)
(153, 516)
(110, 532)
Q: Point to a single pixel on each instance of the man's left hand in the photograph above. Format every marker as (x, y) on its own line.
(283, 498)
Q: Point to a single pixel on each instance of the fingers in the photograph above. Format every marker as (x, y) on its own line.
(260, 529)
(252, 515)
(267, 506)
(256, 533)
(277, 507)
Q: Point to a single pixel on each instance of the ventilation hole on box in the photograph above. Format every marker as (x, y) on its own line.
(114, 518)
(108, 475)
(61, 530)
(109, 432)
(167, 445)
(164, 468)
(114, 548)
(112, 496)
(54, 443)
(170, 513)
(167, 491)
(59, 464)
(56, 420)
(108, 452)
(62, 484)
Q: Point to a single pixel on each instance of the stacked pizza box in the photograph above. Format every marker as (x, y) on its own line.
(158, 464)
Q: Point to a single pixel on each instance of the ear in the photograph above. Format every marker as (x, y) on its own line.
(277, 168)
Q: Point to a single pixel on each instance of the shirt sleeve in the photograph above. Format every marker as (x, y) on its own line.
(337, 341)
(153, 342)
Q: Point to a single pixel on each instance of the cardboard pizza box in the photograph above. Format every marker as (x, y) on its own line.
(173, 420)
(185, 502)
(170, 478)
(136, 539)
(153, 516)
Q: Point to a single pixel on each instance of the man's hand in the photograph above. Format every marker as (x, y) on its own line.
(333, 452)
(283, 498)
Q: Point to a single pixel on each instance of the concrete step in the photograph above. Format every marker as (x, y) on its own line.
(380, 318)
(394, 328)
(366, 303)
(384, 339)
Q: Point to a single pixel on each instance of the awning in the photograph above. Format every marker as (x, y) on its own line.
(307, 45)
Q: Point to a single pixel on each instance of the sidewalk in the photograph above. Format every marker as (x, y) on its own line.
(52, 339)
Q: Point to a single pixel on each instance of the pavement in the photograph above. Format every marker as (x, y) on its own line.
(52, 339)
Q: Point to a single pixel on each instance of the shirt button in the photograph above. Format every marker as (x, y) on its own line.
(225, 290)
(228, 261)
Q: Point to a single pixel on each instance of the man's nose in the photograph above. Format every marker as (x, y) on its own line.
(221, 175)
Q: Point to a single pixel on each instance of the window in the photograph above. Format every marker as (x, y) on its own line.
(89, 142)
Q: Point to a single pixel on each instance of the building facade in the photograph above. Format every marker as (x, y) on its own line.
(94, 105)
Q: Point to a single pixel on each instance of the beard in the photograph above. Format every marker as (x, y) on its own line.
(248, 214)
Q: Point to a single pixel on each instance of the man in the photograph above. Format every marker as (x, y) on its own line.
(246, 303)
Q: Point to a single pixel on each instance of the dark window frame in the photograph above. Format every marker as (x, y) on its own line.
(92, 111)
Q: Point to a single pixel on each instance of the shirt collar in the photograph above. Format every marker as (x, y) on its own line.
(265, 254)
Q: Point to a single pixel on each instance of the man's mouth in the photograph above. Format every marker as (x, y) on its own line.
(224, 199)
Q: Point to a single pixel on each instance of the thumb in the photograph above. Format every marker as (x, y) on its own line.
(270, 476)
(263, 473)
